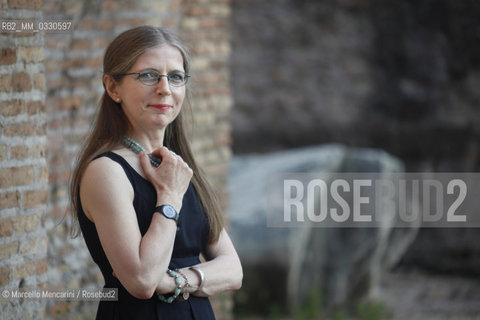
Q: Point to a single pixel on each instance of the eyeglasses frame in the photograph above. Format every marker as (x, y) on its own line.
(158, 79)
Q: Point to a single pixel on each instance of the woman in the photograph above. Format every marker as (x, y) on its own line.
(143, 206)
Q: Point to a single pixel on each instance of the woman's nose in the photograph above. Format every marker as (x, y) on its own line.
(163, 87)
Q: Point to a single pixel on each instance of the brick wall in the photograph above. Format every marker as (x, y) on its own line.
(23, 167)
(49, 90)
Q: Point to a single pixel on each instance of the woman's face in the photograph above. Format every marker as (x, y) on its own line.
(152, 107)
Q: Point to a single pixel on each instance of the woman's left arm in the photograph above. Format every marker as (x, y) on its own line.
(222, 271)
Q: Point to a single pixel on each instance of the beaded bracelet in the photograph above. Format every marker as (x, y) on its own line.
(185, 295)
(176, 293)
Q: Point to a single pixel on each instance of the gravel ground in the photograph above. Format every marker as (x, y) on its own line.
(414, 295)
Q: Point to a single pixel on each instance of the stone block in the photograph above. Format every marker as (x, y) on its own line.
(344, 264)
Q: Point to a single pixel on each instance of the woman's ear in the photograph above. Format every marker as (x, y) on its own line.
(111, 86)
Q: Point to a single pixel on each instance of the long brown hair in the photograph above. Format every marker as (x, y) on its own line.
(111, 124)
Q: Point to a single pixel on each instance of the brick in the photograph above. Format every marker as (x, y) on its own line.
(106, 24)
(59, 310)
(42, 175)
(57, 212)
(20, 129)
(81, 45)
(35, 107)
(99, 42)
(196, 10)
(34, 198)
(58, 194)
(6, 228)
(4, 276)
(59, 177)
(86, 23)
(39, 82)
(174, 6)
(70, 103)
(211, 23)
(55, 83)
(51, 7)
(24, 270)
(5, 83)
(12, 107)
(220, 10)
(25, 4)
(16, 176)
(33, 245)
(72, 8)
(23, 34)
(21, 82)
(8, 56)
(7, 250)
(9, 200)
(189, 24)
(25, 224)
(3, 152)
(42, 266)
(52, 66)
(22, 152)
(30, 54)
(42, 130)
(93, 63)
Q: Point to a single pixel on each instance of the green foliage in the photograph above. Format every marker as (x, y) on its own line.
(312, 308)
(372, 310)
(340, 315)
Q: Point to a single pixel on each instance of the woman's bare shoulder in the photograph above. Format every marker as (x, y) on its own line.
(104, 167)
(104, 183)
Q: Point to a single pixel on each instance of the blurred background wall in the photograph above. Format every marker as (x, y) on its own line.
(387, 74)
(400, 76)
(50, 85)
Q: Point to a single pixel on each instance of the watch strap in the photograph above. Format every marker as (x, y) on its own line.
(162, 210)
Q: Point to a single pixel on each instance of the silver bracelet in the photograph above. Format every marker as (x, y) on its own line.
(202, 277)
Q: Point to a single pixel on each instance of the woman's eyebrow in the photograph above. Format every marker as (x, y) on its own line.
(153, 69)
(149, 69)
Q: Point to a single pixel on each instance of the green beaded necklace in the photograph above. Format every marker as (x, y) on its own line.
(137, 148)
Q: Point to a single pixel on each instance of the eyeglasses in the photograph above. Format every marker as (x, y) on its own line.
(152, 77)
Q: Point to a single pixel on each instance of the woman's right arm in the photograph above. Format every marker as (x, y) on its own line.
(107, 199)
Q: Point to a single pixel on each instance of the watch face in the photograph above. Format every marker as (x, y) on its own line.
(169, 212)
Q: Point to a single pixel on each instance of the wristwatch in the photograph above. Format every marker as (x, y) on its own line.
(168, 211)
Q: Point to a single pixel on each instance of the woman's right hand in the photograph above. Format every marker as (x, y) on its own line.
(170, 179)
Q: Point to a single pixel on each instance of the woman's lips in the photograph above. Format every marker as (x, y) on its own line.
(161, 106)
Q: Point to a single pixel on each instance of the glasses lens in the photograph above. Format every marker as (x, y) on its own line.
(149, 78)
(177, 79)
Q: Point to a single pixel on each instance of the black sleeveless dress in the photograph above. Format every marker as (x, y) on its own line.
(191, 239)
